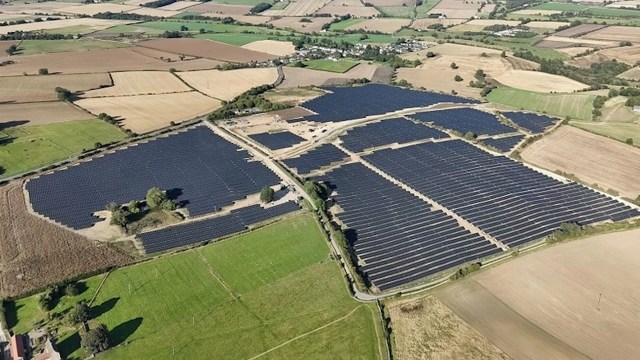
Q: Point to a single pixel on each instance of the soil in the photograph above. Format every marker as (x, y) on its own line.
(140, 83)
(207, 49)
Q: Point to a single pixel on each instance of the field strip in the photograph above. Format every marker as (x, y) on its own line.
(307, 333)
(376, 320)
(215, 275)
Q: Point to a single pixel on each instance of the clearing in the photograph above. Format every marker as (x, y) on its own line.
(273, 47)
(140, 83)
(538, 81)
(226, 85)
(30, 147)
(577, 105)
(42, 88)
(592, 158)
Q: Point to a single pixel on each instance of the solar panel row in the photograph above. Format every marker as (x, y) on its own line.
(209, 229)
(400, 238)
(504, 144)
(275, 141)
(398, 130)
(502, 197)
(533, 122)
(347, 103)
(465, 120)
(315, 159)
(198, 168)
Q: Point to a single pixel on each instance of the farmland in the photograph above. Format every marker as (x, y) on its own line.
(140, 83)
(616, 130)
(538, 81)
(235, 306)
(42, 88)
(31, 47)
(27, 148)
(341, 66)
(89, 24)
(226, 85)
(295, 77)
(277, 48)
(577, 106)
(39, 113)
(206, 49)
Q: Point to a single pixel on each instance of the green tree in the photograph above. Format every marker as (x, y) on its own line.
(267, 194)
(80, 313)
(63, 94)
(458, 78)
(11, 49)
(155, 198)
(72, 289)
(133, 207)
(629, 141)
(96, 340)
(119, 217)
(43, 71)
(454, 65)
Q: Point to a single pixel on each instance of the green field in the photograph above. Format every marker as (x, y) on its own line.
(590, 10)
(341, 25)
(27, 148)
(578, 106)
(618, 131)
(123, 29)
(405, 12)
(29, 47)
(340, 66)
(423, 9)
(273, 290)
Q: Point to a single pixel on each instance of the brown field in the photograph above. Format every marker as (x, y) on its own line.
(536, 12)
(546, 25)
(35, 253)
(592, 158)
(226, 85)
(456, 9)
(120, 59)
(425, 328)
(558, 41)
(4, 45)
(579, 30)
(294, 77)
(180, 5)
(631, 74)
(423, 24)
(90, 24)
(220, 9)
(628, 4)
(615, 33)
(538, 81)
(92, 9)
(47, 7)
(248, 19)
(207, 49)
(145, 113)
(42, 88)
(293, 96)
(295, 24)
(352, 7)
(479, 24)
(573, 51)
(388, 26)
(393, 2)
(626, 54)
(41, 113)
(135, 2)
(298, 8)
(140, 83)
(273, 47)
(160, 55)
(557, 289)
(155, 12)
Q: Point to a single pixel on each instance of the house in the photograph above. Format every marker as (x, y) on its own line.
(17, 347)
(49, 352)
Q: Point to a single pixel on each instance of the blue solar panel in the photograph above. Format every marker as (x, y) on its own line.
(504, 144)
(465, 120)
(347, 103)
(275, 141)
(535, 123)
(198, 168)
(389, 131)
(315, 159)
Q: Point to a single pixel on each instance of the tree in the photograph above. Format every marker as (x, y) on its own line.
(80, 313)
(503, 54)
(113, 207)
(133, 207)
(458, 78)
(119, 217)
(454, 65)
(46, 301)
(470, 135)
(267, 194)
(63, 94)
(629, 141)
(72, 289)
(155, 198)
(96, 340)
(11, 49)
(43, 71)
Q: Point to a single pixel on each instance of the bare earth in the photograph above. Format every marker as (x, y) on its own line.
(42, 88)
(145, 113)
(294, 77)
(207, 49)
(592, 158)
(615, 33)
(425, 328)
(140, 83)
(226, 85)
(273, 47)
(538, 81)
(41, 113)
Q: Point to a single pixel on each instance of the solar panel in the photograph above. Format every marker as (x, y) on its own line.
(504, 144)
(397, 130)
(535, 123)
(465, 120)
(280, 140)
(315, 159)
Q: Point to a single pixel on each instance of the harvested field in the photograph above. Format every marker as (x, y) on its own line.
(146, 113)
(155, 12)
(305, 27)
(615, 130)
(4, 45)
(425, 328)
(226, 85)
(249, 19)
(567, 42)
(388, 26)
(440, 80)
(631, 74)
(180, 5)
(352, 7)
(573, 51)
(140, 83)
(35, 253)
(273, 47)
(558, 290)
(160, 55)
(631, 4)
(625, 54)
(41, 113)
(42, 88)
(456, 9)
(546, 25)
(298, 8)
(393, 2)
(294, 77)
(477, 25)
(207, 49)
(538, 81)
(293, 96)
(135, 2)
(216, 9)
(92, 9)
(536, 12)
(592, 158)
(96, 61)
(89, 24)
(423, 24)
(47, 7)
(579, 30)
(615, 33)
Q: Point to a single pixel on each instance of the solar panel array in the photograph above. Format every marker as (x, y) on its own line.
(198, 168)
(209, 229)
(315, 159)
(504, 144)
(400, 237)
(502, 197)
(533, 122)
(275, 141)
(398, 130)
(465, 120)
(347, 103)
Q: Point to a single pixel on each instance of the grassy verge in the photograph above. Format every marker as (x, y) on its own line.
(340, 66)
(273, 290)
(29, 47)
(578, 106)
(617, 131)
(26, 148)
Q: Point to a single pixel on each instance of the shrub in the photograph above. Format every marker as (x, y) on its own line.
(96, 340)
(458, 78)
(43, 71)
(463, 272)
(267, 194)
(80, 313)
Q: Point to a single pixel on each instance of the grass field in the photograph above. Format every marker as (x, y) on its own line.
(423, 9)
(396, 11)
(341, 25)
(27, 148)
(272, 290)
(340, 66)
(578, 106)
(29, 47)
(590, 10)
(618, 131)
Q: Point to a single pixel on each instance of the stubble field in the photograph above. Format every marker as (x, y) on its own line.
(538, 81)
(226, 85)
(42, 88)
(140, 83)
(39, 113)
(207, 49)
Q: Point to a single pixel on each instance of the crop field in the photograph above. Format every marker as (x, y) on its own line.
(631, 74)
(31, 47)
(155, 12)
(545, 25)
(456, 9)
(626, 54)
(160, 55)
(298, 8)
(90, 24)
(226, 85)
(92, 9)
(35, 252)
(294, 23)
(541, 321)
(30, 147)
(388, 26)
(593, 159)
(39, 113)
(144, 113)
(352, 7)
(241, 39)
(538, 81)
(579, 30)
(295, 77)
(41, 88)
(216, 9)
(140, 83)
(577, 106)
(615, 130)
(207, 49)
(180, 5)
(480, 24)
(273, 47)
(559, 42)
(536, 12)
(240, 291)
(423, 24)
(340, 66)
(615, 33)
